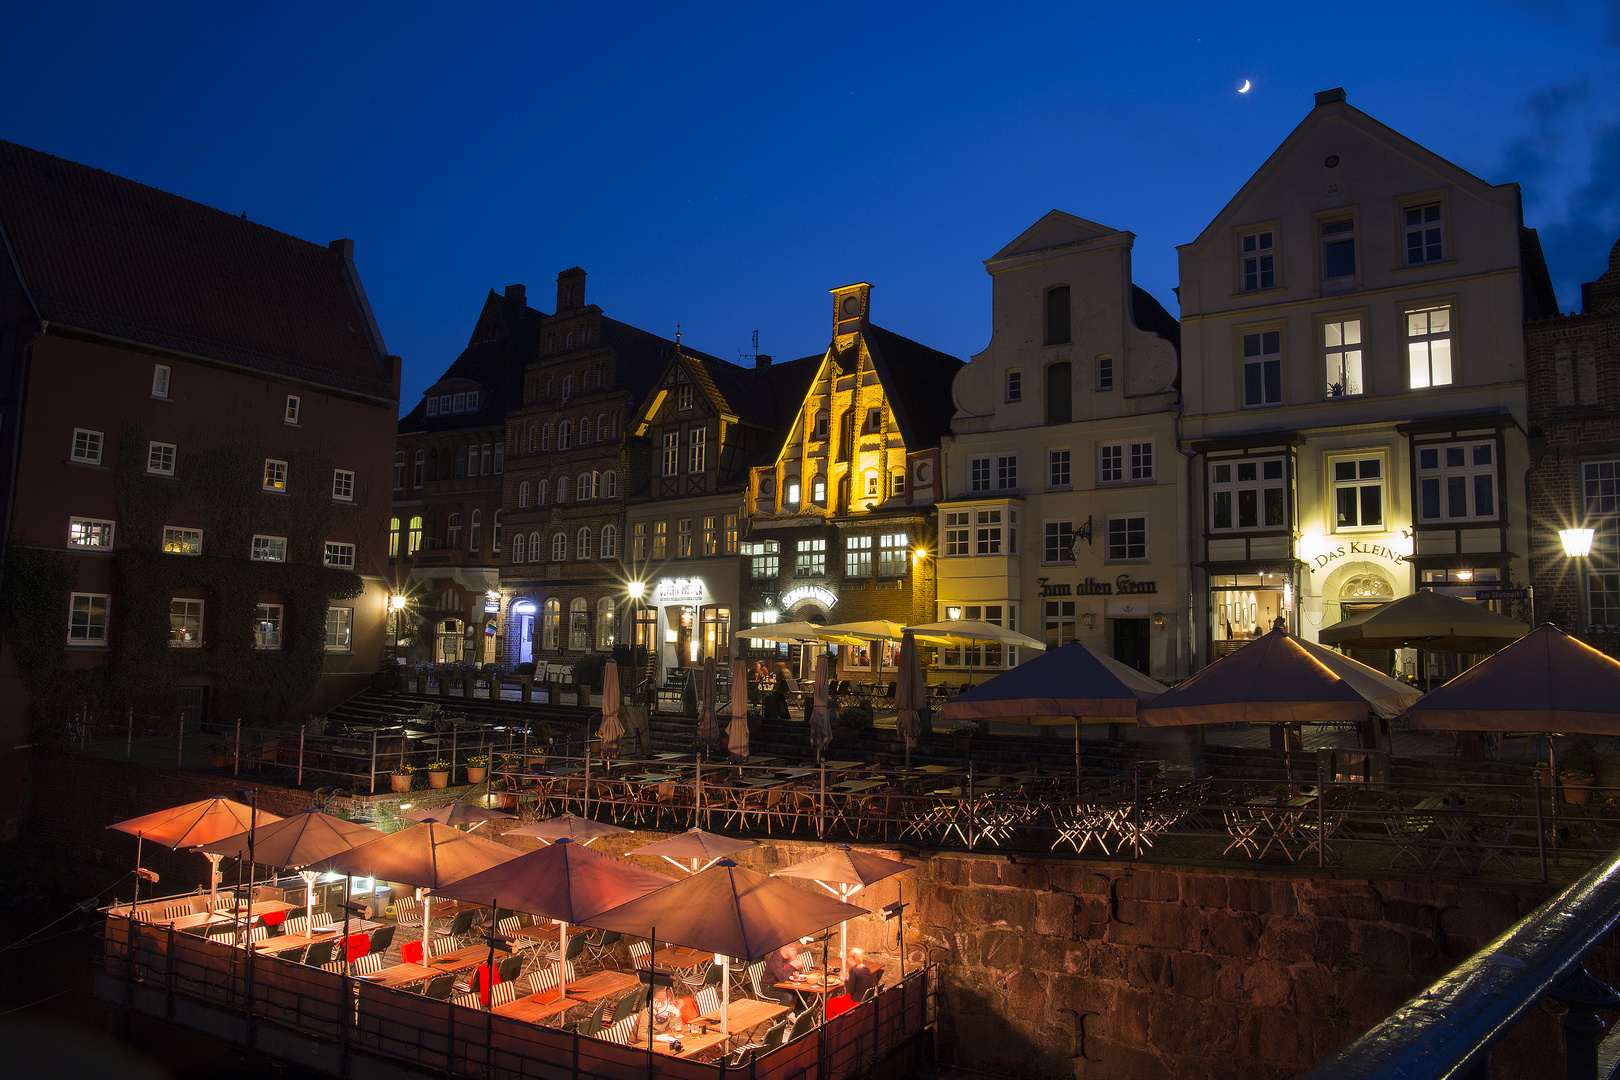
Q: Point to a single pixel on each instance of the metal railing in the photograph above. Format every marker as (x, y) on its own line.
(1450, 1028)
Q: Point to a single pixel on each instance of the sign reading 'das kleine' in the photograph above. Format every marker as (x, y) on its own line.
(826, 597)
(1355, 547)
(676, 589)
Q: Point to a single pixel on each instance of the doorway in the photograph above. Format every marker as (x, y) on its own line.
(1132, 643)
(523, 629)
(1381, 660)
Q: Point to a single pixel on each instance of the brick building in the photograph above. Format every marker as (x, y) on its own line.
(445, 539)
(199, 414)
(842, 516)
(1572, 368)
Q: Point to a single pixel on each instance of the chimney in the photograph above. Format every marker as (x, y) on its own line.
(519, 293)
(762, 360)
(1328, 97)
(570, 289)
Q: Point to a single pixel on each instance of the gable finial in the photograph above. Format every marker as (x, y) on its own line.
(677, 333)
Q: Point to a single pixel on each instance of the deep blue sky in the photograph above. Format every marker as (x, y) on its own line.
(722, 166)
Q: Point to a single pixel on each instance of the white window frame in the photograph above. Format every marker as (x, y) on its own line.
(94, 631)
(683, 397)
(1343, 357)
(268, 613)
(1257, 254)
(559, 547)
(582, 543)
(1600, 501)
(338, 555)
(275, 475)
(1124, 526)
(1105, 373)
(1263, 362)
(857, 556)
(431, 406)
(1350, 235)
(179, 540)
(1060, 469)
(987, 655)
(696, 445)
(1429, 232)
(290, 417)
(87, 446)
(86, 532)
(273, 549)
(458, 402)
(610, 542)
(185, 615)
(987, 532)
(1358, 462)
(1234, 487)
(340, 629)
(894, 550)
(1429, 347)
(1013, 386)
(1057, 543)
(979, 474)
(1441, 480)
(162, 378)
(343, 485)
(1006, 472)
(810, 559)
(672, 453)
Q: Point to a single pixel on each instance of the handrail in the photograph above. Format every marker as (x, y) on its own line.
(1450, 1028)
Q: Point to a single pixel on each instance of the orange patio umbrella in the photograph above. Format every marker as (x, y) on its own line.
(697, 845)
(193, 825)
(851, 871)
(295, 842)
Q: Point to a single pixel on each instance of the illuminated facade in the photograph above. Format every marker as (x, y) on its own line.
(1064, 507)
(842, 511)
(1353, 372)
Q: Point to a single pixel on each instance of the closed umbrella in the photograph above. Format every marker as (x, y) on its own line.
(193, 825)
(1073, 684)
(565, 881)
(708, 727)
(851, 871)
(909, 694)
(821, 712)
(737, 730)
(611, 730)
(567, 827)
(697, 845)
(457, 814)
(294, 843)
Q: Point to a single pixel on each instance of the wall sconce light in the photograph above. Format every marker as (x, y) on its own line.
(1577, 542)
(1089, 620)
(397, 601)
(636, 589)
(1158, 620)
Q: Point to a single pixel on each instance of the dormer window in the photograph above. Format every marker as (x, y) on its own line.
(459, 403)
(432, 406)
(444, 403)
(472, 401)
(683, 397)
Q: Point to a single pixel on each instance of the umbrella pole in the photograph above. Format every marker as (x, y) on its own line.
(347, 952)
(725, 1000)
(562, 964)
(843, 933)
(585, 798)
(213, 881)
(489, 974)
(427, 928)
(309, 896)
(139, 838)
(1077, 756)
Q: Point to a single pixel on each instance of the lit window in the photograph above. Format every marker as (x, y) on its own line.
(1428, 347)
(818, 491)
(185, 623)
(267, 626)
(711, 539)
(1259, 261)
(579, 624)
(1341, 346)
(88, 532)
(639, 551)
(182, 541)
(340, 556)
(893, 549)
(729, 542)
(793, 492)
(393, 538)
(695, 446)
(1262, 368)
(1358, 493)
(765, 559)
(343, 485)
(1247, 494)
(1457, 482)
(604, 623)
(810, 559)
(858, 556)
(683, 397)
(672, 452)
(87, 619)
(660, 547)
(1015, 386)
(989, 655)
(160, 380)
(1127, 539)
(872, 485)
(1057, 468)
(413, 542)
(1423, 234)
(339, 629)
(87, 446)
(275, 475)
(274, 548)
(683, 539)
(552, 621)
(1059, 542)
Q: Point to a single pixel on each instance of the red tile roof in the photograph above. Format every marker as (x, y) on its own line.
(103, 254)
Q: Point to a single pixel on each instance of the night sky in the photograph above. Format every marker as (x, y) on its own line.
(722, 166)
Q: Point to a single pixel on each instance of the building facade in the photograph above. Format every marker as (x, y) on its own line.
(1064, 514)
(200, 422)
(1573, 371)
(1354, 380)
(842, 515)
(445, 538)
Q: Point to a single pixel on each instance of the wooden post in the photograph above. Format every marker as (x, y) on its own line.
(236, 767)
(300, 757)
(373, 779)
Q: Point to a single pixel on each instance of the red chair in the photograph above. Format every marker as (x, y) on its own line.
(411, 952)
(837, 1006)
(356, 946)
(275, 918)
(481, 980)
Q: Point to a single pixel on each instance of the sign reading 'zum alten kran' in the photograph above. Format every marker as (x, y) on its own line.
(1120, 586)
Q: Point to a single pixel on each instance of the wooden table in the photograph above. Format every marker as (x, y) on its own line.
(471, 956)
(602, 984)
(537, 1007)
(289, 942)
(448, 908)
(844, 764)
(400, 975)
(748, 1013)
(534, 933)
(691, 1045)
(261, 907)
(678, 956)
(814, 983)
(935, 769)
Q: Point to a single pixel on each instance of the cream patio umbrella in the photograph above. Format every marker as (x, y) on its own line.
(193, 825)
(868, 632)
(910, 695)
(697, 845)
(737, 730)
(851, 871)
(971, 632)
(456, 815)
(791, 632)
(708, 726)
(581, 831)
(1426, 620)
(611, 729)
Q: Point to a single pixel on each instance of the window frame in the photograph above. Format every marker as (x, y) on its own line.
(989, 536)
(275, 476)
(1330, 464)
(1272, 250)
(97, 524)
(957, 532)
(696, 449)
(1262, 361)
(810, 558)
(1428, 340)
(260, 617)
(893, 559)
(1345, 324)
(1442, 475)
(270, 545)
(88, 456)
(345, 629)
(87, 639)
(1056, 457)
(1012, 390)
(1125, 528)
(1105, 373)
(1057, 535)
(683, 538)
(1338, 283)
(337, 554)
(343, 485)
(184, 540)
(1260, 484)
(672, 453)
(1406, 230)
(858, 560)
(294, 406)
(162, 380)
(185, 616)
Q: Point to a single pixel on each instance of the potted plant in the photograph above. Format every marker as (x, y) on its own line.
(962, 734)
(1579, 773)
(219, 755)
(477, 768)
(399, 777)
(438, 773)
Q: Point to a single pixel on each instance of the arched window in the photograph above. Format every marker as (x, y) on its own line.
(559, 548)
(523, 441)
(584, 488)
(1057, 315)
(604, 624)
(473, 528)
(562, 489)
(540, 493)
(399, 470)
(602, 430)
(610, 542)
(584, 543)
(461, 462)
(565, 435)
(610, 485)
(568, 381)
(518, 547)
(495, 533)
(393, 538)
(584, 432)
(579, 624)
(523, 494)
(413, 542)
(535, 554)
(1059, 394)
(553, 618)
(421, 467)
(452, 532)
(545, 437)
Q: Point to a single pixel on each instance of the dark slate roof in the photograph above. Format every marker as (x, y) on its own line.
(1148, 314)
(495, 363)
(641, 357)
(111, 257)
(917, 382)
(781, 389)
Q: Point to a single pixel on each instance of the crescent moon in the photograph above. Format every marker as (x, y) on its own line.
(1244, 89)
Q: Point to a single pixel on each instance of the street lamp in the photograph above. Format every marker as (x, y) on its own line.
(1577, 542)
(396, 604)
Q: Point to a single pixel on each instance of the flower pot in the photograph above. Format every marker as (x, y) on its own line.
(1578, 789)
(219, 761)
(438, 779)
(476, 776)
(400, 781)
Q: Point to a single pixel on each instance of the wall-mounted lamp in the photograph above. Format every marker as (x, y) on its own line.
(1089, 620)
(636, 589)
(397, 601)
(1158, 620)
(1577, 542)
(1465, 575)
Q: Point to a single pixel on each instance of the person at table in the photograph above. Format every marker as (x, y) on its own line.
(784, 962)
(859, 978)
(666, 1014)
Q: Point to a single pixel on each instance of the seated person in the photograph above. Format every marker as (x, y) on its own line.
(858, 979)
(666, 1014)
(786, 961)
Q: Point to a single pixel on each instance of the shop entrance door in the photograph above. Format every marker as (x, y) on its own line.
(687, 641)
(1131, 643)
